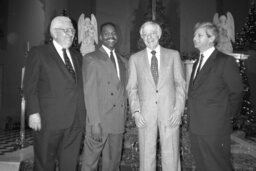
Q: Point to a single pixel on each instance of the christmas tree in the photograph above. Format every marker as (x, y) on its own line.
(247, 36)
(246, 120)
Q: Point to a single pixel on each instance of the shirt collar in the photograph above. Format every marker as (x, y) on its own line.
(157, 49)
(57, 46)
(108, 50)
(208, 52)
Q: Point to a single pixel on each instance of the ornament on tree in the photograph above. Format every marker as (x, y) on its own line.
(247, 36)
(246, 120)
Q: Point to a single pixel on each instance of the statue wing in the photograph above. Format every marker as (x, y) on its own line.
(80, 26)
(216, 19)
(230, 26)
(95, 27)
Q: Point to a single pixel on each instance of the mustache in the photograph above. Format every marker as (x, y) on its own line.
(111, 38)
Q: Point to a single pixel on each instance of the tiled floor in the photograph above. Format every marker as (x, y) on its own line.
(9, 140)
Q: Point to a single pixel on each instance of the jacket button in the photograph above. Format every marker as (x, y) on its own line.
(156, 102)
(156, 91)
(112, 94)
(114, 105)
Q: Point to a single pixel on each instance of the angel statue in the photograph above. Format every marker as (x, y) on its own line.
(226, 28)
(87, 33)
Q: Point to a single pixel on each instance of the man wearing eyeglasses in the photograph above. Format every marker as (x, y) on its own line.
(156, 91)
(54, 97)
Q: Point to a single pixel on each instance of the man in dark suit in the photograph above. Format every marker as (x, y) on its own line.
(215, 95)
(54, 97)
(104, 80)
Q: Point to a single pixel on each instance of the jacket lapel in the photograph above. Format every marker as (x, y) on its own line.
(75, 63)
(55, 56)
(163, 64)
(121, 69)
(203, 74)
(111, 68)
(146, 66)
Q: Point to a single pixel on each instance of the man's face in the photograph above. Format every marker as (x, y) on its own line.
(64, 35)
(150, 36)
(108, 36)
(201, 40)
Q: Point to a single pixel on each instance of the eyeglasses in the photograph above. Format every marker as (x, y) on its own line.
(152, 34)
(66, 31)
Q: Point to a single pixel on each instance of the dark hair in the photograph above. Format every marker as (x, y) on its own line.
(107, 24)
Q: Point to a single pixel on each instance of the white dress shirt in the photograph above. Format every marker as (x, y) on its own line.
(157, 49)
(206, 55)
(59, 48)
(114, 53)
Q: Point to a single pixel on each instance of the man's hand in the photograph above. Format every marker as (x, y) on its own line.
(175, 118)
(35, 121)
(96, 132)
(139, 120)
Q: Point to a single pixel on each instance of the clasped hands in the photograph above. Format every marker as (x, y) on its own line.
(174, 119)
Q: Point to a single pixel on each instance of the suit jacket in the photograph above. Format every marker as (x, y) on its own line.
(104, 91)
(50, 90)
(215, 95)
(156, 102)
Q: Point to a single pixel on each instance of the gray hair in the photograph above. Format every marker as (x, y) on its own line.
(58, 22)
(154, 24)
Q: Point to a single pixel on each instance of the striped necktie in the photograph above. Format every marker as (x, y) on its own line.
(199, 66)
(154, 67)
(68, 64)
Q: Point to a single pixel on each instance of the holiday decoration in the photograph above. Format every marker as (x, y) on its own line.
(246, 119)
(226, 26)
(87, 33)
(247, 36)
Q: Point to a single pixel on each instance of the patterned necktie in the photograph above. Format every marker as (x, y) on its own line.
(154, 66)
(199, 66)
(113, 59)
(68, 64)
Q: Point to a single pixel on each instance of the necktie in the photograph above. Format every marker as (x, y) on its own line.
(113, 59)
(68, 64)
(154, 66)
(199, 65)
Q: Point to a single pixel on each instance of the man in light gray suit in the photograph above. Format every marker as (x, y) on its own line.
(156, 91)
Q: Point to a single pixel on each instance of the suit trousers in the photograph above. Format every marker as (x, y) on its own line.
(169, 141)
(211, 152)
(57, 145)
(110, 148)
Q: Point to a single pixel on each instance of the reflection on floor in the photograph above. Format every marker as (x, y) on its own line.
(11, 159)
(11, 156)
(9, 140)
